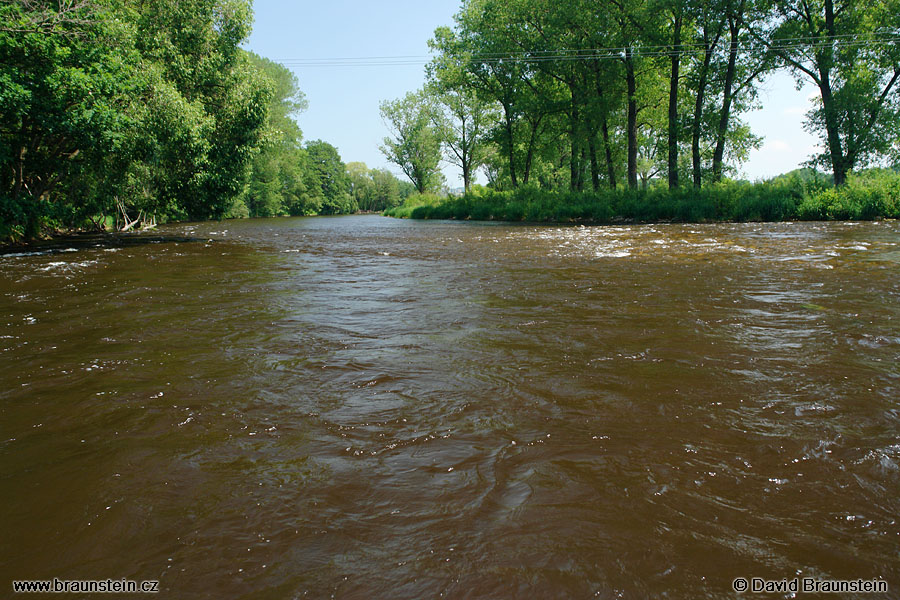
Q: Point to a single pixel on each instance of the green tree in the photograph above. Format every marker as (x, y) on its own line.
(373, 189)
(64, 76)
(466, 116)
(415, 145)
(485, 44)
(122, 104)
(848, 50)
(330, 175)
(362, 188)
(385, 189)
(463, 128)
(196, 44)
(276, 182)
(741, 73)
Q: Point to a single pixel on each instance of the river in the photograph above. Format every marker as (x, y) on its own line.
(362, 407)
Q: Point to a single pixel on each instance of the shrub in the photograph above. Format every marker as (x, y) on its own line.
(413, 202)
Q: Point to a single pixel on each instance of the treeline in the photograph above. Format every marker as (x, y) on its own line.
(288, 177)
(127, 112)
(604, 94)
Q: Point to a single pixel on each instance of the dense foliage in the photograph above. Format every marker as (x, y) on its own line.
(577, 95)
(416, 143)
(125, 112)
(133, 112)
(112, 106)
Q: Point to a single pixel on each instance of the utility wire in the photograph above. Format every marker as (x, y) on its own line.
(564, 55)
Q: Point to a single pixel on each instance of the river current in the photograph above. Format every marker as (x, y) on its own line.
(362, 407)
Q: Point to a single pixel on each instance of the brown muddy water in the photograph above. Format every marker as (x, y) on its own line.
(361, 407)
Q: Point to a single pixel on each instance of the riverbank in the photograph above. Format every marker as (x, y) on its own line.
(869, 196)
(53, 233)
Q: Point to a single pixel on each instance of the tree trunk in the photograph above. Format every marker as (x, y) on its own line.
(610, 167)
(698, 108)
(604, 131)
(719, 153)
(632, 118)
(673, 104)
(835, 149)
(507, 111)
(595, 165)
(19, 173)
(573, 133)
(573, 166)
(465, 156)
(419, 180)
(581, 164)
(529, 156)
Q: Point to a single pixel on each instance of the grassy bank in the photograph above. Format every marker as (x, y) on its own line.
(871, 195)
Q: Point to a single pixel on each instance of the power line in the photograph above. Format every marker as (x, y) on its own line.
(617, 53)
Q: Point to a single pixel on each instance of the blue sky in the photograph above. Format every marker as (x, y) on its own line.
(343, 101)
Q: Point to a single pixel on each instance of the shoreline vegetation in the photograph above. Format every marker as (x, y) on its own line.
(799, 196)
(121, 115)
(124, 115)
(802, 195)
(562, 105)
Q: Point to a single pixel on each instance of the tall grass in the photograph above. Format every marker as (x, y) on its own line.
(870, 195)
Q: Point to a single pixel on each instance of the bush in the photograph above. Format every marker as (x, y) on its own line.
(238, 210)
(27, 218)
(411, 203)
